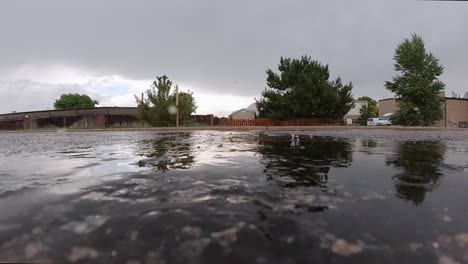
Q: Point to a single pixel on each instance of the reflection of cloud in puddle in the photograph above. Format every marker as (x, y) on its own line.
(115, 196)
(88, 225)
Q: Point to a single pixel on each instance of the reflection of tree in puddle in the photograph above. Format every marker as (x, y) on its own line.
(307, 165)
(421, 173)
(168, 151)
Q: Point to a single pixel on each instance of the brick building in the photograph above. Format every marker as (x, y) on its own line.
(455, 111)
(76, 118)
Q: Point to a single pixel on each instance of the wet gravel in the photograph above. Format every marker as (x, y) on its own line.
(347, 196)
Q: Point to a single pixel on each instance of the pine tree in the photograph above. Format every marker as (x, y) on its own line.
(302, 89)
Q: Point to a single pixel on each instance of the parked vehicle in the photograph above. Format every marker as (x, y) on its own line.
(385, 120)
(372, 121)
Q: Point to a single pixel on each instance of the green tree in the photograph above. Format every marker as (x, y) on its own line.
(367, 111)
(365, 114)
(372, 106)
(417, 87)
(158, 108)
(302, 89)
(74, 101)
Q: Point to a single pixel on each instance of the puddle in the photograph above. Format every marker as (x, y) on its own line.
(234, 197)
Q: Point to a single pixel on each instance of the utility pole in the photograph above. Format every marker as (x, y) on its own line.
(177, 105)
(142, 98)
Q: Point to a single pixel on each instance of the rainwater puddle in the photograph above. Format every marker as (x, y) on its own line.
(234, 197)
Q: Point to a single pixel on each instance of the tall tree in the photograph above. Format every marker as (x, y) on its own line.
(303, 89)
(74, 101)
(417, 87)
(372, 105)
(158, 108)
(367, 111)
(364, 114)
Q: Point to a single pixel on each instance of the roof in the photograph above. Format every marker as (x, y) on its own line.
(360, 101)
(70, 112)
(243, 110)
(446, 98)
(460, 99)
(387, 99)
(252, 107)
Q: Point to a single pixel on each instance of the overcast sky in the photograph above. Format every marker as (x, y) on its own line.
(220, 50)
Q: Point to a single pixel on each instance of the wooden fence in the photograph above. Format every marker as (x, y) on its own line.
(271, 122)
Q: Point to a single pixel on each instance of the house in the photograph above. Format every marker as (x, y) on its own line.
(73, 118)
(354, 113)
(246, 113)
(243, 113)
(253, 107)
(454, 110)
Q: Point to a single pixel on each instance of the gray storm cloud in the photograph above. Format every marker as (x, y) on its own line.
(226, 46)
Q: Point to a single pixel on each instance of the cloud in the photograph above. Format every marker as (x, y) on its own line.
(36, 88)
(221, 47)
(25, 95)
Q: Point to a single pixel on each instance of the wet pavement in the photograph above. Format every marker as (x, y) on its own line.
(354, 196)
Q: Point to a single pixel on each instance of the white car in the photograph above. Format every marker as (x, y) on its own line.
(372, 121)
(385, 120)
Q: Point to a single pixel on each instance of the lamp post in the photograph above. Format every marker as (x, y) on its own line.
(177, 105)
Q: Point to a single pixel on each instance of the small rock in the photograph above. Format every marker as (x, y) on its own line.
(87, 226)
(462, 239)
(342, 247)
(415, 246)
(447, 260)
(32, 249)
(447, 218)
(444, 241)
(227, 235)
(373, 196)
(307, 198)
(94, 196)
(36, 231)
(192, 231)
(80, 253)
(133, 235)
